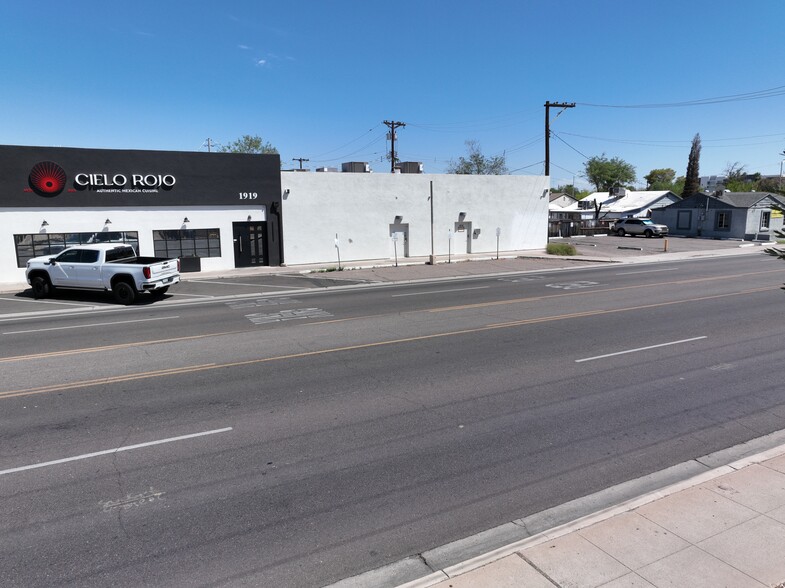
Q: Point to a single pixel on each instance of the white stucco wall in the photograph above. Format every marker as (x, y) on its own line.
(360, 208)
(143, 220)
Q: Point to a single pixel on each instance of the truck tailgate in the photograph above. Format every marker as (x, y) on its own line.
(163, 269)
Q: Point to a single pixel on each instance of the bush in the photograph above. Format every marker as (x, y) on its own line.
(561, 249)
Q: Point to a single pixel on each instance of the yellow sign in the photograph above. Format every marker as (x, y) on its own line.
(776, 214)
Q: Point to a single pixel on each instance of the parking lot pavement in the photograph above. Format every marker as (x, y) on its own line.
(620, 248)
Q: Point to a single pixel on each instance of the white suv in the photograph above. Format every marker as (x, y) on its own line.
(638, 226)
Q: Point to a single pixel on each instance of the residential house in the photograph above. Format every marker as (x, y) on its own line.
(621, 203)
(751, 216)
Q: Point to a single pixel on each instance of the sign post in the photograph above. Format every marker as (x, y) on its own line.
(498, 232)
(449, 245)
(338, 249)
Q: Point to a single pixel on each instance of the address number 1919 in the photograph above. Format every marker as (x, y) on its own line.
(248, 195)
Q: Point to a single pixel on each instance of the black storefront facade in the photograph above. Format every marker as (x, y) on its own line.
(213, 210)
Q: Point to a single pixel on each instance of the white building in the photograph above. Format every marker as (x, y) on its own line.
(375, 216)
(218, 210)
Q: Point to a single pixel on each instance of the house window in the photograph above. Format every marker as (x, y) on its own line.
(765, 219)
(723, 220)
(187, 243)
(41, 244)
(684, 219)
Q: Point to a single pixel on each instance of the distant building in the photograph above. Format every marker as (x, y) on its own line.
(751, 216)
(621, 203)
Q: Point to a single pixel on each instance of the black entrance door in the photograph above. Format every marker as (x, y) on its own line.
(250, 244)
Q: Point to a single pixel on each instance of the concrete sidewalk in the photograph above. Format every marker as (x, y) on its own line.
(722, 528)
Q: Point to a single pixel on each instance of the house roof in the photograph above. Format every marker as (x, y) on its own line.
(726, 199)
(630, 201)
(557, 195)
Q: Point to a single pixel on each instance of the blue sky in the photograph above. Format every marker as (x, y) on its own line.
(317, 78)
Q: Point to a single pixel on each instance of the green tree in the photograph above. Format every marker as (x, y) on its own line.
(660, 179)
(770, 185)
(478, 164)
(249, 144)
(692, 181)
(678, 185)
(606, 174)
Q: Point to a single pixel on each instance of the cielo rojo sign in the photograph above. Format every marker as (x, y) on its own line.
(140, 181)
(47, 178)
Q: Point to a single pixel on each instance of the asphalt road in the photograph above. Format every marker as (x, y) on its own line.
(303, 437)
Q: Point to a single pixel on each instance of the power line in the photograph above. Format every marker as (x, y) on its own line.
(347, 144)
(570, 146)
(758, 95)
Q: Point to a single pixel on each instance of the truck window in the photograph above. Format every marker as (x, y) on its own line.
(71, 256)
(89, 256)
(119, 253)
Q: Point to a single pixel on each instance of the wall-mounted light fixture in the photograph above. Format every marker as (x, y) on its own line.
(185, 220)
(107, 222)
(398, 220)
(44, 224)
(249, 218)
(461, 216)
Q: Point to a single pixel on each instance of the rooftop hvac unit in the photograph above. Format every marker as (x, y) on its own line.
(327, 169)
(619, 191)
(356, 167)
(411, 167)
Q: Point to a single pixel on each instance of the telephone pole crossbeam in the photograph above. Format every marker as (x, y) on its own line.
(548, 105)
(300, 159)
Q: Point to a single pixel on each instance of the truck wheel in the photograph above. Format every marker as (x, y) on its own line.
(124, 293)
(40, 286)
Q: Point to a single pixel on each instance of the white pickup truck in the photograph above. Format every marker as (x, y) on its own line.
(111, 267)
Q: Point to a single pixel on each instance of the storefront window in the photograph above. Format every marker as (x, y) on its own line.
(40, 244)
(187, 243)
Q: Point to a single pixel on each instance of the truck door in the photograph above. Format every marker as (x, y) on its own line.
(64, 270)
(88, 271)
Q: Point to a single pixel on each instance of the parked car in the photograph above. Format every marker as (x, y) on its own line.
(638, 226)
(112, 267)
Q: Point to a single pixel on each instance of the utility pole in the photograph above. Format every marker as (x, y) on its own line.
(300, 159)
(548, 106)
(209, 144)
(392, 125)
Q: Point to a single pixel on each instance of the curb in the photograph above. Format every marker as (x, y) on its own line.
(564, 519)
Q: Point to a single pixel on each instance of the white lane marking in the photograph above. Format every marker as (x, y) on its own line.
(161, 318)
(238, 284)
(640, 349)
(668, 269)
(109, 451)
(192, 295)
(439, 291)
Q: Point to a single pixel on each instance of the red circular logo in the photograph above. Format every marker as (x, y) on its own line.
(47, 178)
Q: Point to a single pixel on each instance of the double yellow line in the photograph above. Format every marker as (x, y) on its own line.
(213, 366)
